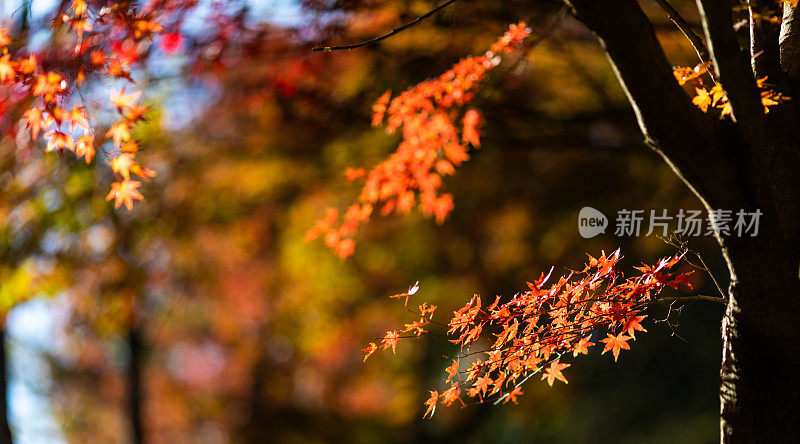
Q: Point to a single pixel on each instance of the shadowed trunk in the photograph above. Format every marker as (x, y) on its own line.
(134, 384)
(746, 162)
(760, 381)
(5, 430)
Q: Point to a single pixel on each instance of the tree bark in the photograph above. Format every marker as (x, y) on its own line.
(760, 381)
(5, 429)
(134, 384)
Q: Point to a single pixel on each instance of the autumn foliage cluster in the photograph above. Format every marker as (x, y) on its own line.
(104, 43)
(437, 129)
(503, 344)
(707, 93)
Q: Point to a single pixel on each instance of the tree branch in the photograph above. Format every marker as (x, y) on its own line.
(733, 67)
(699, 297)
(680, 22)
(372, 41)
(659, 103)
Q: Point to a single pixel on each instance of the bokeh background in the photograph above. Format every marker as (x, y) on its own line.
(234, 329)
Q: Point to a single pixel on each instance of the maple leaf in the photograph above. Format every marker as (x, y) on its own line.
(632, 325)
(142, 172)
(27, 66)
(125, 192)
(352, 174)
(117, 69)
(6, 70)
(702, 100)
(431, 403)
(718, 94)
(84, 147)
(98, 58)
(452, 395)
(56, 140)
(78, 118)
(119, 132)
(512, 395)
(80, 26)
(391, 339)
(122, 100)
(122, 165)
(615, 344)
(379, 108)
(79, 7)
(48, 85)
(370, 350)
(345, 248)
(145, 27)
(471, 123)
(553, 372)
(481, 386)
(4, 38)
(36, 121)
(452, 370)
(582, 346)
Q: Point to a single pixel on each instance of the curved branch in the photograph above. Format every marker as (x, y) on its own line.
(660, 104)
(699, 297)
(697, 42)
(372, 41)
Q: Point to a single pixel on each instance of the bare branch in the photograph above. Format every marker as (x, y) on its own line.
(680, 22)
(699, 297)
(372, 41)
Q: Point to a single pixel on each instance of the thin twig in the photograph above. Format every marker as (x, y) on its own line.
(682, 245)
(388, 34)
(699, 297)
(680, 22)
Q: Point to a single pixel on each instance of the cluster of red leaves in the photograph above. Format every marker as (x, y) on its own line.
(107, 41)
(437, 130)
(531, 333)
(716, 97)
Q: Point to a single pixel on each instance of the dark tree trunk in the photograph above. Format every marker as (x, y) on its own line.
(5, 430)
(760, 374)
(135, 385)
(748, 162)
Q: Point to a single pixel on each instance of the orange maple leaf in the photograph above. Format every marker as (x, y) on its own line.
(6, 70)
(119, 132)
(125, 192)
(582, 346)
(615, 344)
(122, 100)
(122, 165)
(512, 395)
(56, 140)
(84, 147)
(554, 372)
(391, 339)
(633, 325)
(369, 350)
(431, 403)
(37, 121)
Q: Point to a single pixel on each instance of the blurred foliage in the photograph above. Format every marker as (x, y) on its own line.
(252, 335)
